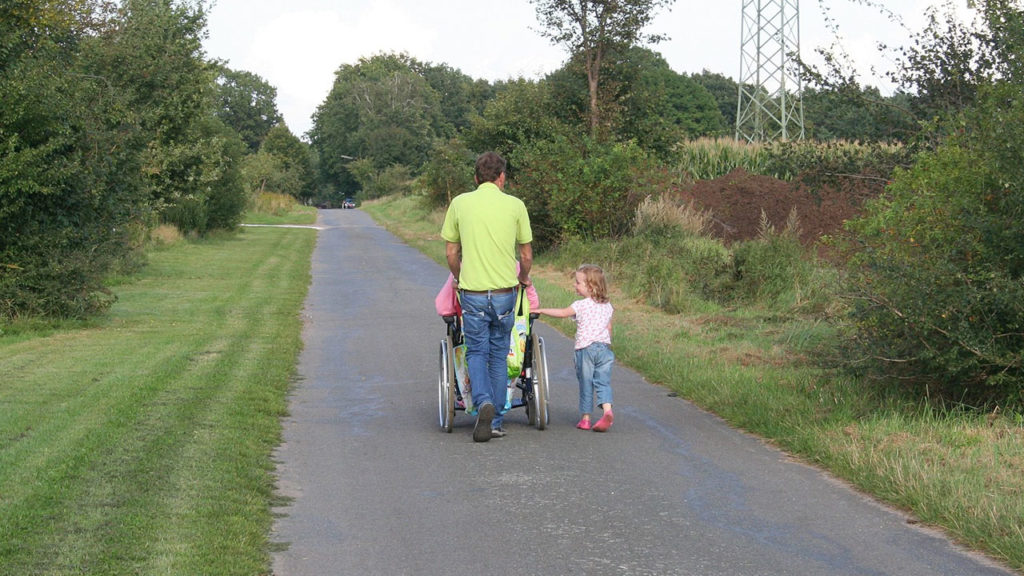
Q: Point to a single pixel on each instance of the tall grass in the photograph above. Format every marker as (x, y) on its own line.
(274, 208)
(709, 158)
(817, 162)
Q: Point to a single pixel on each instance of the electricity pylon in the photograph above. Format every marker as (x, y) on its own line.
(770, 103)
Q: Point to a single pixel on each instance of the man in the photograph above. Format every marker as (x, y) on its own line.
(482, 229)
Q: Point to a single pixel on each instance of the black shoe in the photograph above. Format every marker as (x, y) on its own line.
(482, 431)
(498, 432)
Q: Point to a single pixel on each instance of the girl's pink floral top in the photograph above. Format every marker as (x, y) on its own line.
(592, 321)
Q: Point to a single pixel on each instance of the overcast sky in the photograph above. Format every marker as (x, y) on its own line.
(297, 45)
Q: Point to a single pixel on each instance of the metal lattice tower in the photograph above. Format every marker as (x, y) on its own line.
(770, 93)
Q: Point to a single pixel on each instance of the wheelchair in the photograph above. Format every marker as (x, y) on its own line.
(528, 390)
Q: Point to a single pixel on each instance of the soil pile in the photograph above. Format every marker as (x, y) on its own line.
(737, 199)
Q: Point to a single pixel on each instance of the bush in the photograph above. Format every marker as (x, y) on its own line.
(56, 277)
(584, 188)
(448, 173)
(187, 214)
(204, 177)
(676, 274)
(668, 262)
(272, 203)
(937, 277)
(833, 164)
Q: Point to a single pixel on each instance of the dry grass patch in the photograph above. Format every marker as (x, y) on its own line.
(165, 235)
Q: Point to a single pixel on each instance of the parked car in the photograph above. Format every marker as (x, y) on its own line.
(348, 203)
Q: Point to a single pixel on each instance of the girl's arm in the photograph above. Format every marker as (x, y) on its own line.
(556, 312)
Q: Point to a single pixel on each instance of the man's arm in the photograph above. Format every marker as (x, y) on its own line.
(452, 251)
(525, 263)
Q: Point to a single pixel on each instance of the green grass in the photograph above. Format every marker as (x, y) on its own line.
(752, 365)
(298, 215)
(141, 443)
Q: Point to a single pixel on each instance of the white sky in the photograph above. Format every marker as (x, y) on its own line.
(297, 45)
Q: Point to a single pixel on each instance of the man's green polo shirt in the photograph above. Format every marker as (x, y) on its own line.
(489, 225)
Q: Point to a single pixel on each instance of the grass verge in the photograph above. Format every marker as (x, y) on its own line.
(949, 468)
(141, 443)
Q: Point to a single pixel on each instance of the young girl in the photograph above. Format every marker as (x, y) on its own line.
(594, 357)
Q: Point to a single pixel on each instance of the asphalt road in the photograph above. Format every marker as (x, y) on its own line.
(377, 488)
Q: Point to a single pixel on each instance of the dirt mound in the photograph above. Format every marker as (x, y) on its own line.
(737, 199)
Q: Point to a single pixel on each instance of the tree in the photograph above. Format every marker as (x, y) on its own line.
(590, 29)
(725, 91)
(247, 103)
(460, 97)
(522, 111)
(944, 66)
(643, 100)
(380, 109)
(854, 113)
(294, 159)
(448, 173)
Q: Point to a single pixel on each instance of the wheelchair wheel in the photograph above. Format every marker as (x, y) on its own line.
(539, 403)
(446, 385)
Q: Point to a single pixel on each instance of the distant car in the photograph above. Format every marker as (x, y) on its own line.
(348, 203)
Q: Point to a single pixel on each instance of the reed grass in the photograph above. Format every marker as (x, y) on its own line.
(274, 208)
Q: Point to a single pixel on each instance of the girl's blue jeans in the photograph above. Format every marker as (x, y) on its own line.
(594, 373)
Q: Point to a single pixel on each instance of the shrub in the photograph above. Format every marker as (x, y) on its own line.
(833, 163)
(395, 179)
(54, 277)
(937, 280)
(677, 274)
(584, 188)
(680, 274)
(165, 234)
(448, 173)
(187, 214)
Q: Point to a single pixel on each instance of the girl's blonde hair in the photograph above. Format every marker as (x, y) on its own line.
(593, 275)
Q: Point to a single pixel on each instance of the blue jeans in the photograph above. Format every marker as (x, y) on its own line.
(487, 325)
(594, 372)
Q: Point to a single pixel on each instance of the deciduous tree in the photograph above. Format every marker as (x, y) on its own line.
(294, 159)
(379, 109)
(247, 103)
(590, 29)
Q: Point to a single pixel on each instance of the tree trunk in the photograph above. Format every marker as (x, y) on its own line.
(593, 64)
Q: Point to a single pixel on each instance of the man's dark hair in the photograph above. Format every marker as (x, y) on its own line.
(489, 166)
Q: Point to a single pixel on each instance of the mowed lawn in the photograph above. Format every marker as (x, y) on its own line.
(142, 444)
